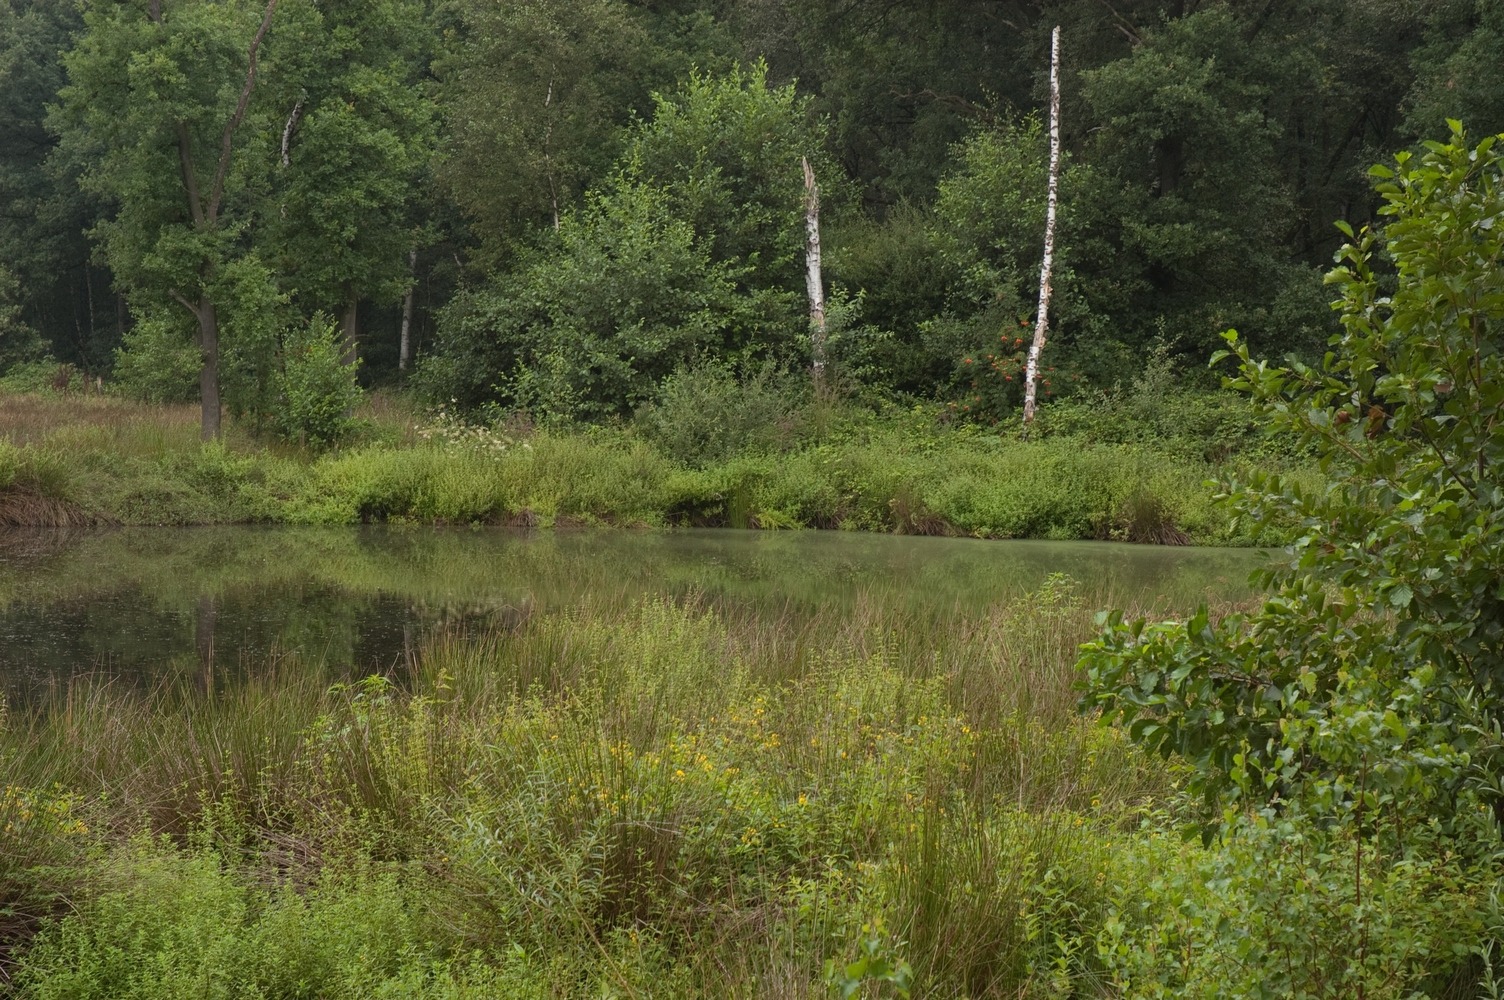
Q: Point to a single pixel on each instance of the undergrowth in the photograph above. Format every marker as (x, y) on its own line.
(113, 462)
(650, 799)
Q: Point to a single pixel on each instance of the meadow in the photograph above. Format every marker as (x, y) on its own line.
(664, 798)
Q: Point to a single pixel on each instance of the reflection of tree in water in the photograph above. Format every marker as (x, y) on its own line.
(143, 604)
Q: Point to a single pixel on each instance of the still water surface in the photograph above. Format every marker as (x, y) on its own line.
(147, 603)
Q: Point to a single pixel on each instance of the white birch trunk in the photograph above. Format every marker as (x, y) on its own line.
(404, 347)
(1041, 323)
(812, 278)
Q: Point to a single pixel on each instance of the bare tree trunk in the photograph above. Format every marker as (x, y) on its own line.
(404, 348)
(349, 324)
(1042, 322)
(812, 277)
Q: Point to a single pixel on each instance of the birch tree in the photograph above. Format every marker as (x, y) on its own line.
(1042, 321)
(812, 276)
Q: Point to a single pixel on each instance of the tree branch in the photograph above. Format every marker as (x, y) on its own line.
(292, 123)
(216, 193)
(185, 303)
(190, 175)
(1123, 24)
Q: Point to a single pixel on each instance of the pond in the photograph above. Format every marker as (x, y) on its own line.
(145, 604)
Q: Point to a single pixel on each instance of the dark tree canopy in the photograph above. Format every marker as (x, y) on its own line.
(1210, 146)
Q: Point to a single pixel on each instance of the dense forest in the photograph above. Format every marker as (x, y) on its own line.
(553, 205)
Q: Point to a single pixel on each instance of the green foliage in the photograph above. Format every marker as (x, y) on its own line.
(19, 343)
(1272, 912)
(314, 388)
(595, 321)
(1182, 215)
(875, 964)
(340, 221)
(158, 361)
(537, 94)
(162, 923)
(902, 275)
(989, 211)
(1367, 684)
(1455, 74)
(211, 218)
(705, 414)
(1158, 409)
(726, 150)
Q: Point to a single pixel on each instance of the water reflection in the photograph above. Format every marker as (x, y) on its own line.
(149, 603)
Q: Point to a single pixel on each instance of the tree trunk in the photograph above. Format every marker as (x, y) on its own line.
(404, 348)
(812, 277)
(208, 373)
(349, 324)
(1041, 323)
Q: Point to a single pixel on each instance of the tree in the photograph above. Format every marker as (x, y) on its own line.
(727, 151)
(61, 293)
(161, 99)
(536, 95)
(358, 137)
(1457, 72)
(1042, 314)
(1370, 685)
(692, 250)
(594, 320)
(1191, 208)
(18, 341)
(254, 169)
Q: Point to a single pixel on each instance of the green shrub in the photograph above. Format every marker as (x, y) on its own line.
(314, 389)
(159, 362)
(1287, 911)
(705, 414)
(161, 923)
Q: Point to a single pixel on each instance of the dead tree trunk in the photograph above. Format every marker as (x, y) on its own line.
(404, 347)
(1042, 322)
(812, 278)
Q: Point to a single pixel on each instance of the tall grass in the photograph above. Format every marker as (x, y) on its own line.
(134, 464)
(651, 798)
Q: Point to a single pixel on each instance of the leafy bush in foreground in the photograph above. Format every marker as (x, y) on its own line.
(1364, 697)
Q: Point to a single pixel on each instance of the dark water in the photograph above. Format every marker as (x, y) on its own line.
(151, 603)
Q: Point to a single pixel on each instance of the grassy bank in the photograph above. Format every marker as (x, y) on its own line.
(100, 460)
(654, 799)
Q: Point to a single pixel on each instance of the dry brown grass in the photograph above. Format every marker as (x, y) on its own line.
(20, 508)
(96, 423)
(87, 422)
